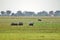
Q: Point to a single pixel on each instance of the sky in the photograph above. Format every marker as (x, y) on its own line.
(29, 5)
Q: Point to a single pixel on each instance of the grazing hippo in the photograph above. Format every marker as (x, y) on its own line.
(39, 20)
(14, 24)
(21, 23)
(31, 24)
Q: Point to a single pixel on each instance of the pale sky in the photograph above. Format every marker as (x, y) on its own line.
(30, 5)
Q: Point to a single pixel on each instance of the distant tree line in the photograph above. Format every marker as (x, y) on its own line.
(30, 13)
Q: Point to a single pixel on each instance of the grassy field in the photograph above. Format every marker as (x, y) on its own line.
(47, 29)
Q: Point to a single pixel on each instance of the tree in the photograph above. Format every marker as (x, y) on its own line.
(51, 13)
(19, 13)
(28, 13)
(43, 13)
(34, 14)
(8, 12)
(2, 13)
(13, 14)
(57, 13)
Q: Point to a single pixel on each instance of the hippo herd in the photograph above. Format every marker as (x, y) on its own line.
(21, 23)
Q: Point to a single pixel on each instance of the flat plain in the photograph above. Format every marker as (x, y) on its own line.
(47, 29)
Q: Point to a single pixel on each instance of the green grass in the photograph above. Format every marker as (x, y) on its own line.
(47, 29)
(29, 36)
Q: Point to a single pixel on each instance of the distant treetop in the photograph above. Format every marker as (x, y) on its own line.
(30, 13)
